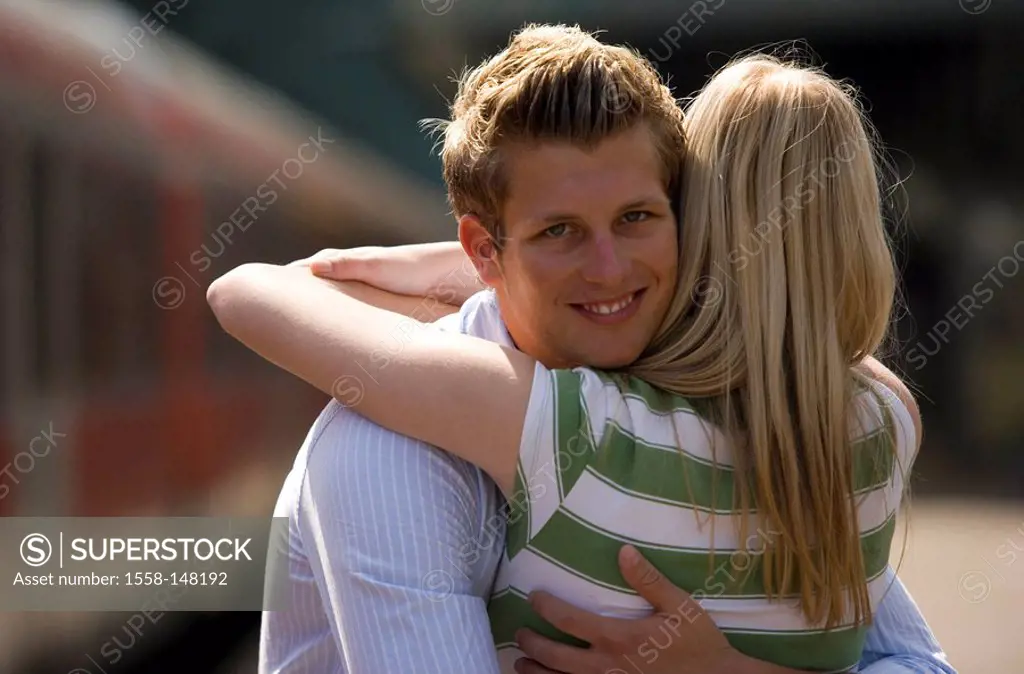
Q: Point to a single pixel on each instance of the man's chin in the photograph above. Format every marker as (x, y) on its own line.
(608, 361)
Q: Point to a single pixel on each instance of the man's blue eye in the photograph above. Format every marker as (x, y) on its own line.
(636, 216)
(556, 231)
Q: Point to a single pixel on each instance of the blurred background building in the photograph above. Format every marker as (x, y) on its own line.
(148, 147)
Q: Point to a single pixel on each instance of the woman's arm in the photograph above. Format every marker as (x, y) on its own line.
(439, 271)
(460, 393)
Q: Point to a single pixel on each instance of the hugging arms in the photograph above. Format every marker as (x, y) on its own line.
(599, 377)
(405, 600)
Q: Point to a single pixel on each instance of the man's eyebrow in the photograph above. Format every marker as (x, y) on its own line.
(637, 203)
(647, 201)
(556, 217)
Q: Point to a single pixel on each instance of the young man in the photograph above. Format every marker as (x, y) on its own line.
(394, 544)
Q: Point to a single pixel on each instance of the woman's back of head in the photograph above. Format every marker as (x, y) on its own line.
(786, 282)
(783, 178)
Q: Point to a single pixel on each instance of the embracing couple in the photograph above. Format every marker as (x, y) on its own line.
(648, 433)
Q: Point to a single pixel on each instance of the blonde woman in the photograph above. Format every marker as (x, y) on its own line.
(756, 453)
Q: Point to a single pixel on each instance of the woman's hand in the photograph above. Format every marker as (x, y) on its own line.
(440, 271)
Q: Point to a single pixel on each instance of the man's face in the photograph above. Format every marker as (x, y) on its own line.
(589, 265)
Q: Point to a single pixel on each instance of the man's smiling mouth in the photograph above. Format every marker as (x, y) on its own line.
(613, 310)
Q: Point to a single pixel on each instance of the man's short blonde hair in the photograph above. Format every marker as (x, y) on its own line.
(552, 83)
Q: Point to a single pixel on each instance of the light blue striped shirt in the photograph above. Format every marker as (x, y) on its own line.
(394, 545)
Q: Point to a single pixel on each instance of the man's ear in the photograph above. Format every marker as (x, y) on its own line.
(480, 249)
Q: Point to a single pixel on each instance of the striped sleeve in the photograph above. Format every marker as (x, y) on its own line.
(905, 433)
(895, 425)
(564, 422)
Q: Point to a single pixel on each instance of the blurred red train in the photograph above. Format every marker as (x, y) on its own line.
(122, 195)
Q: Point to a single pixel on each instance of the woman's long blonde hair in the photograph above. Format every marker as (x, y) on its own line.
(787, 281)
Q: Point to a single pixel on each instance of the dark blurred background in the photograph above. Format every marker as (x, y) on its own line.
(134, 137)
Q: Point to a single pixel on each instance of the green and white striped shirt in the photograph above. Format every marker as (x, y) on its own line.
(602, 464)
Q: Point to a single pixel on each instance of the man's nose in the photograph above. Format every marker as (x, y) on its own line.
(607, 261)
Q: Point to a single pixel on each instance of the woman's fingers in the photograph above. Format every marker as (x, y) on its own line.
(354, 264)
(345, 265)
(319, 255)
(333, 268)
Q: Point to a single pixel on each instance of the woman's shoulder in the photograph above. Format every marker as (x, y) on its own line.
(609, 399)
(895, 394)
(884, 403)
(629, 389)
(621, 413)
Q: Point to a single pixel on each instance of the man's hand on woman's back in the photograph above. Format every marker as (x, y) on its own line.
(617, 646)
